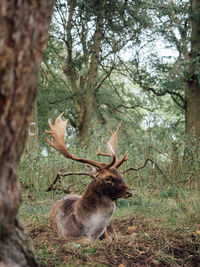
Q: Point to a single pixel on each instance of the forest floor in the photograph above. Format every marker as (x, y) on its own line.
(156, 229)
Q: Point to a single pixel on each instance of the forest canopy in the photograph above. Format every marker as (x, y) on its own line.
(122, 60)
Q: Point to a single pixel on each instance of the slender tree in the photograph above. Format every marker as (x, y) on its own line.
(87, 37)
(177, 24)
(193, 81)
(23, 32)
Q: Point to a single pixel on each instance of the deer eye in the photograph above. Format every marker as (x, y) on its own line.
(108, 179)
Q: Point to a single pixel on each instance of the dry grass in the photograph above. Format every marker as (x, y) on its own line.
(157, 227)
(145, 243)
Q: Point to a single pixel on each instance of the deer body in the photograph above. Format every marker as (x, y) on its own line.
(73, 221)
(75, 216)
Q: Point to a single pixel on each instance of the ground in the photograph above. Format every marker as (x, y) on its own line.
(155, 229)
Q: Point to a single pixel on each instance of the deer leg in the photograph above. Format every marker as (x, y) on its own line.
(106, 236)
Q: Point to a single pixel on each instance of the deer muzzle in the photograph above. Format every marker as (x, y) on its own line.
(127, 193)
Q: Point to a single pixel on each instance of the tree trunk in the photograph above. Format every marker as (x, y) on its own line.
(87, 120)
(23, 32)
(193, 94)
(92, 77)
(83, 83)
(193, 109)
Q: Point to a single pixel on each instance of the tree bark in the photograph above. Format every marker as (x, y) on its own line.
(23, 33)
(83, 83)
(193, 94)
(92, 79)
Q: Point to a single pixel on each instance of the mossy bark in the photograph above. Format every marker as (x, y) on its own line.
(193, 93)
(23, 33)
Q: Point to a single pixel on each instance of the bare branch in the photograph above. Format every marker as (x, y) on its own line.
(108, 73)
(61, 174)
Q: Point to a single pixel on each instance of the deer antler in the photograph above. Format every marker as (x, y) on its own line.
(111, 145)
(58, 133)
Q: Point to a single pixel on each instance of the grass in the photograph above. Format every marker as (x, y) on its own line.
(164, 233)
(158, 226)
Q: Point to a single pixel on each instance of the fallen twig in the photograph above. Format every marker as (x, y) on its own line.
(59, 176)
(186, 180)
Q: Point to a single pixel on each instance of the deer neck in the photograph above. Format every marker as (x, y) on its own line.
(94, 200)
(94, 211)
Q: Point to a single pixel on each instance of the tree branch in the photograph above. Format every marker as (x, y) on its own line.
(108, 73)
(61, 174)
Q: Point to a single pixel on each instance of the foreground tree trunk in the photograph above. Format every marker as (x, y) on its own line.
(193, 94)
(23, 32)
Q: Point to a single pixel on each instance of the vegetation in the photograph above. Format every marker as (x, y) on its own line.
(151, 230)
(85, 42)
(158, 226)
(103, 64)
(152, 46)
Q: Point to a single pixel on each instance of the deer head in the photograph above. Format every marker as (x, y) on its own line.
(100, 195)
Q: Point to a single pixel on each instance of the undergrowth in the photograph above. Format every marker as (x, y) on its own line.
(158, 226)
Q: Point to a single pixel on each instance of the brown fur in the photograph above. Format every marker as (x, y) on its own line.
(75, 217)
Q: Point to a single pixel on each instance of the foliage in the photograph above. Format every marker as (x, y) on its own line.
(82, 52)
(120, 95)
(168, 57)
(162, 61)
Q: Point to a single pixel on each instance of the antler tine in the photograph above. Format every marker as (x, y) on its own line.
(112, 149)
(107, 155)
(112, 143)
(102, 154)
(119, 162)
(58, 133)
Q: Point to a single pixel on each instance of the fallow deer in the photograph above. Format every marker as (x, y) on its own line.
(87, 216)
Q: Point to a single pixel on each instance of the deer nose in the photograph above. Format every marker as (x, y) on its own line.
(129, 193)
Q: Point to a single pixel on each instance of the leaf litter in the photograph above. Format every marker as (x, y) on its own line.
(136, 241)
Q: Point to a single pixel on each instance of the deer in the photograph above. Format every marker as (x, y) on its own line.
(87, 216)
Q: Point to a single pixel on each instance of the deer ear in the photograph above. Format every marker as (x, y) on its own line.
(91, 170)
